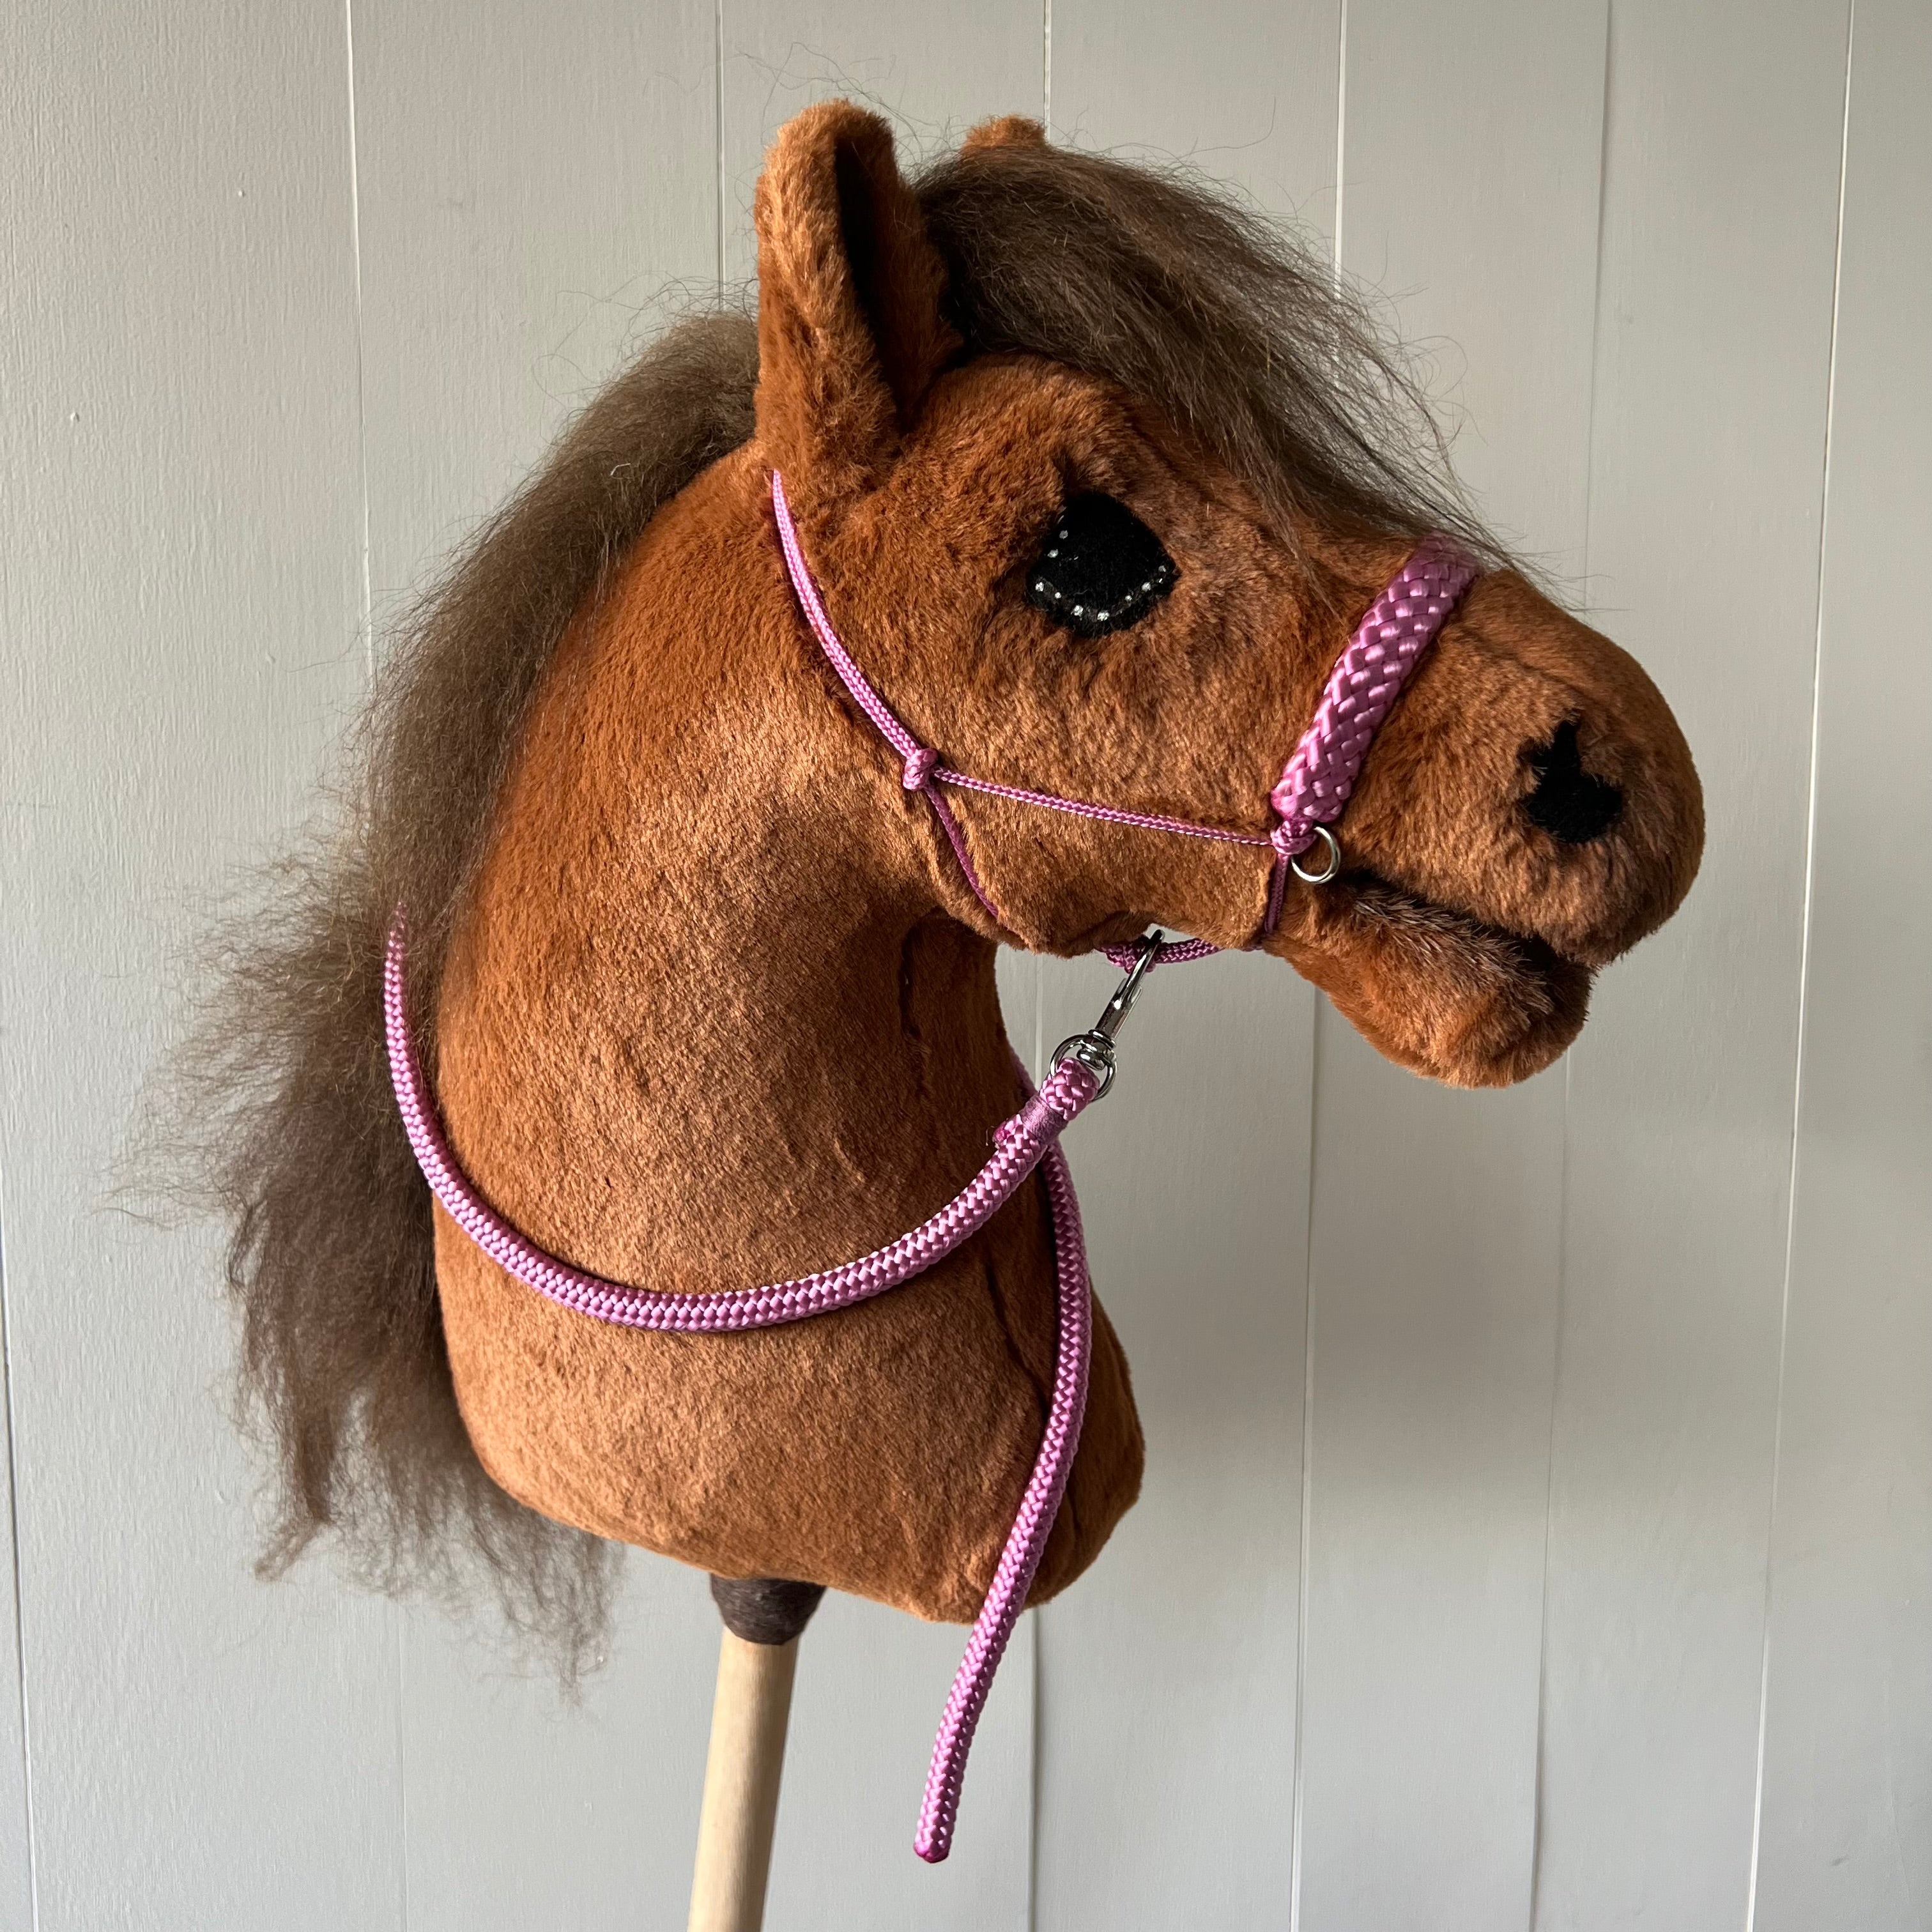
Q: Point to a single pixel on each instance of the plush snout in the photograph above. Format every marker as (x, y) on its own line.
(1531, 777)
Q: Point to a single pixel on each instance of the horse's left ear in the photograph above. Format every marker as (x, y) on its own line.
(850, 333)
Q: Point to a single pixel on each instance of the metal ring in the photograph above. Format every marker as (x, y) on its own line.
(1094, 1052)
(1328, 870)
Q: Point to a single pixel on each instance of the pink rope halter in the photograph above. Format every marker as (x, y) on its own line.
(1314, 787)
(1399, 626)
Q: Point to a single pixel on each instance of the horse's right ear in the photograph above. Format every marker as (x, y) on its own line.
(850, 333)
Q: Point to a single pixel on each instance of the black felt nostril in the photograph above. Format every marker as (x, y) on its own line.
(1569, 803)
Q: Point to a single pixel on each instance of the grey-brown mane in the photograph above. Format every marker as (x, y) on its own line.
(1200, 307)
(1213, 313)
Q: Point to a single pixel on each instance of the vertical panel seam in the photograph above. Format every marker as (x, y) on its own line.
(361, 401)
(718, 134)
(1298, 1782)
(399, 1638)
(1563, 1174)
(1550, 1504)
(1597, 294)
(1033, 1777)
(1341, 121)
(1037, 1787)
(1307, 1536)
(394, 1621)
(1046, 64)
(19, 1599)
(1804, 980)
(1037, 1657)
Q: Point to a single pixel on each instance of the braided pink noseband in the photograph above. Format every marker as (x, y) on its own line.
(1399, 626)
(1314, 787)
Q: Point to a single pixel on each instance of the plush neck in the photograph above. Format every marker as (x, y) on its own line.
(705, 1023)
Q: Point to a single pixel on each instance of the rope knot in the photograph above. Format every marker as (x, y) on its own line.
(1289, 840)
(919, 767)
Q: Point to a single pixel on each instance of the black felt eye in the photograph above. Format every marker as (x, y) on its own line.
(1100, 569)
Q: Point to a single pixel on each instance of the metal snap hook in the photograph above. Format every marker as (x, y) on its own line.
(1094, 1048)
(1331, 864)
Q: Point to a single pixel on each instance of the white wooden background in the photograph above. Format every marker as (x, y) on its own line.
(1538, 1525)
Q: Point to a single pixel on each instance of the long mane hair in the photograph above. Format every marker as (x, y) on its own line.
(281, 1099)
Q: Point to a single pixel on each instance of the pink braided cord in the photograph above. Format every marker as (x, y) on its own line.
(1170, 953)
(1108, 815)
(1367, 678)
(1025, 1142)
(1020, 1559)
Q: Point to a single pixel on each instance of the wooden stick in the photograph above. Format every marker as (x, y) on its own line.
(756, 1662)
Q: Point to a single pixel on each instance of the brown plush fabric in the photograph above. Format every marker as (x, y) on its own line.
(595, 1074)
(707, 999)
(722, 1011)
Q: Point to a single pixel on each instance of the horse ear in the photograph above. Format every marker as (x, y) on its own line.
(850, 333)
(1007, 130)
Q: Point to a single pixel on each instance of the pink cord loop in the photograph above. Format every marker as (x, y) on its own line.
(1169, 953)
(919, 766)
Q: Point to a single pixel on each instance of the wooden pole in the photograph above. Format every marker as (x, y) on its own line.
(756, 1661)
(741, 1784)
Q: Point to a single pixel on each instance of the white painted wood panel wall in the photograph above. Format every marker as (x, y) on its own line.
(1538, 1525)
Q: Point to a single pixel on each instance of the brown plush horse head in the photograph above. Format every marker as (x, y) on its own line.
(710, 991)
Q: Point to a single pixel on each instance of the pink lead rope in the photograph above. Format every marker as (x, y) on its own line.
(1026, 1142)
(1400, 624)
